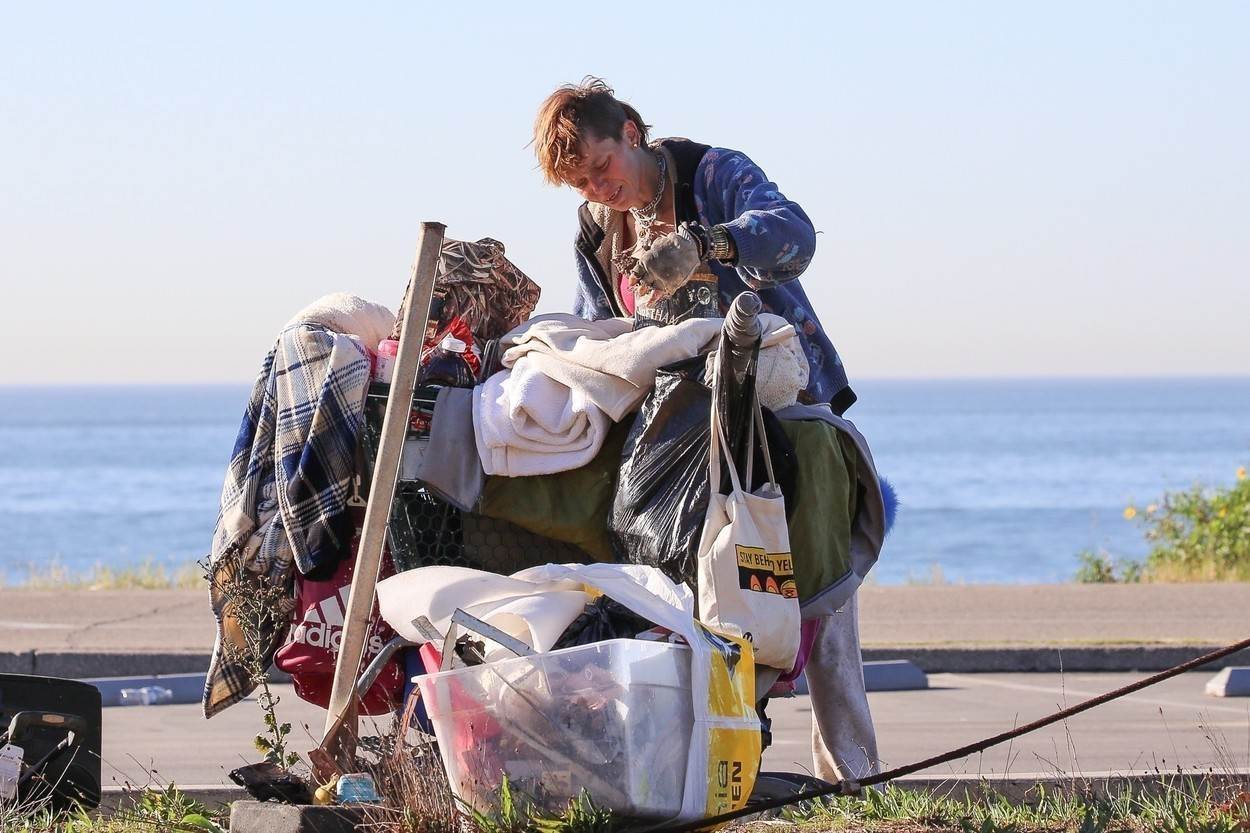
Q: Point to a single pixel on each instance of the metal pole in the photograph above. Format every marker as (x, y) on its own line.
(742, 323)
(735, 375)
(382, 487)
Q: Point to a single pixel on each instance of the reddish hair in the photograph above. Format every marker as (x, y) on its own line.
(572, 112)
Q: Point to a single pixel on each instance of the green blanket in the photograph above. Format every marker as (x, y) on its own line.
(573, 506)
(820, 526)
(570, 506)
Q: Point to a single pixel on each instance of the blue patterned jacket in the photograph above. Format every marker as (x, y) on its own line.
(775, 241)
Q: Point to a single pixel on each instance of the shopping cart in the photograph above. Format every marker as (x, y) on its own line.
(423, 530)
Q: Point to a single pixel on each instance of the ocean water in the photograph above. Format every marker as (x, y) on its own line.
(1006, 481)
(1000, 481)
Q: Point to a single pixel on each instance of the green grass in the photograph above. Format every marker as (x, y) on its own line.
(146, 576)
(150, 810)
(1176, 804)
(1179, 805)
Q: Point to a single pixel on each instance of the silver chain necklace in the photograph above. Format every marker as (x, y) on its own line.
(645, 217)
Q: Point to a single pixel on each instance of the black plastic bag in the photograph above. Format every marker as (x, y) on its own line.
(662, 492)
(603, 619)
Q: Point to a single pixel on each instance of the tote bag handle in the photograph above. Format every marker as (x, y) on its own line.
(718, 433)
(757, 423)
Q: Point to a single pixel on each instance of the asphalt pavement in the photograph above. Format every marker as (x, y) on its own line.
(945, 627)
(1163, 728)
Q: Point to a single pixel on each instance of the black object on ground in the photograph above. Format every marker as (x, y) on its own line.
(772, 786)
(267, 780)
(57, 724)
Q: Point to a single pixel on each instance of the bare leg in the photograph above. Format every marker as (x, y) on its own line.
(844, 743)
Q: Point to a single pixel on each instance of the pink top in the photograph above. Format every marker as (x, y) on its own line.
(627, 294)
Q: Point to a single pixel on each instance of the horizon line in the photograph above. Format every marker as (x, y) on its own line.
(1107, 377)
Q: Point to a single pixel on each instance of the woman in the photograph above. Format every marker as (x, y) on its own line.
(673, 229)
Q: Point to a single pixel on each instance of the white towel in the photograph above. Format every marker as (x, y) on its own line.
(340, 312)
(609, 360)
(567, 377)
(527, 423)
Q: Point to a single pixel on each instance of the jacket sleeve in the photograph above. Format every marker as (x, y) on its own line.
(773, 235)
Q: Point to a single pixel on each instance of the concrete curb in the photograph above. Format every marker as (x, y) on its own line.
(956, 660)
(268, 817)
(1024, 787)
(1231, 682)
(1106, 658)
(82, 665)
(210, 795)
(894, 675)
(883, 675)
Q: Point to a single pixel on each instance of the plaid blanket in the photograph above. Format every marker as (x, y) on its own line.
(284, 500)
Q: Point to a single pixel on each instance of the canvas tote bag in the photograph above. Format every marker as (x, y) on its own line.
(746, 574)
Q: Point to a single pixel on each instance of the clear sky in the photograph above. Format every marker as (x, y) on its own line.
(1002, 189)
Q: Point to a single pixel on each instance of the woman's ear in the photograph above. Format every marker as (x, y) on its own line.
(629, 132)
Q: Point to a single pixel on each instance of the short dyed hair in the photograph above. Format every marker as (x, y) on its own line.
(572, 112)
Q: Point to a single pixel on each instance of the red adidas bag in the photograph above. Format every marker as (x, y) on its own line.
(317, 631)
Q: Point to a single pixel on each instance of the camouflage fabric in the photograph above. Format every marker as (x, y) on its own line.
(481, 286)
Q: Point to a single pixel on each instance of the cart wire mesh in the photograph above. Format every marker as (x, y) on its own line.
(424, 530)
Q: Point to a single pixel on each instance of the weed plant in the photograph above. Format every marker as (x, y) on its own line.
(1195, 535)
(150, 810)
(516, 814)
(260, 608)
(416, 797)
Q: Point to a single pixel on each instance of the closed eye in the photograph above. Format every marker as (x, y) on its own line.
(597, 167)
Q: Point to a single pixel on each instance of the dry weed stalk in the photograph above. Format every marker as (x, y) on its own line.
(261, 607)
(416, 796)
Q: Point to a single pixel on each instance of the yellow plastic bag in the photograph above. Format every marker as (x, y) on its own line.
(732, 727)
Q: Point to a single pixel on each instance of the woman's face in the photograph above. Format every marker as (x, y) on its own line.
(614, 171)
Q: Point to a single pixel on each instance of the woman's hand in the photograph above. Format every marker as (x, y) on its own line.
(667, 266)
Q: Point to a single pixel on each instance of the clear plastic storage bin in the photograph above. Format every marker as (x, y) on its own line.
(614, 718)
